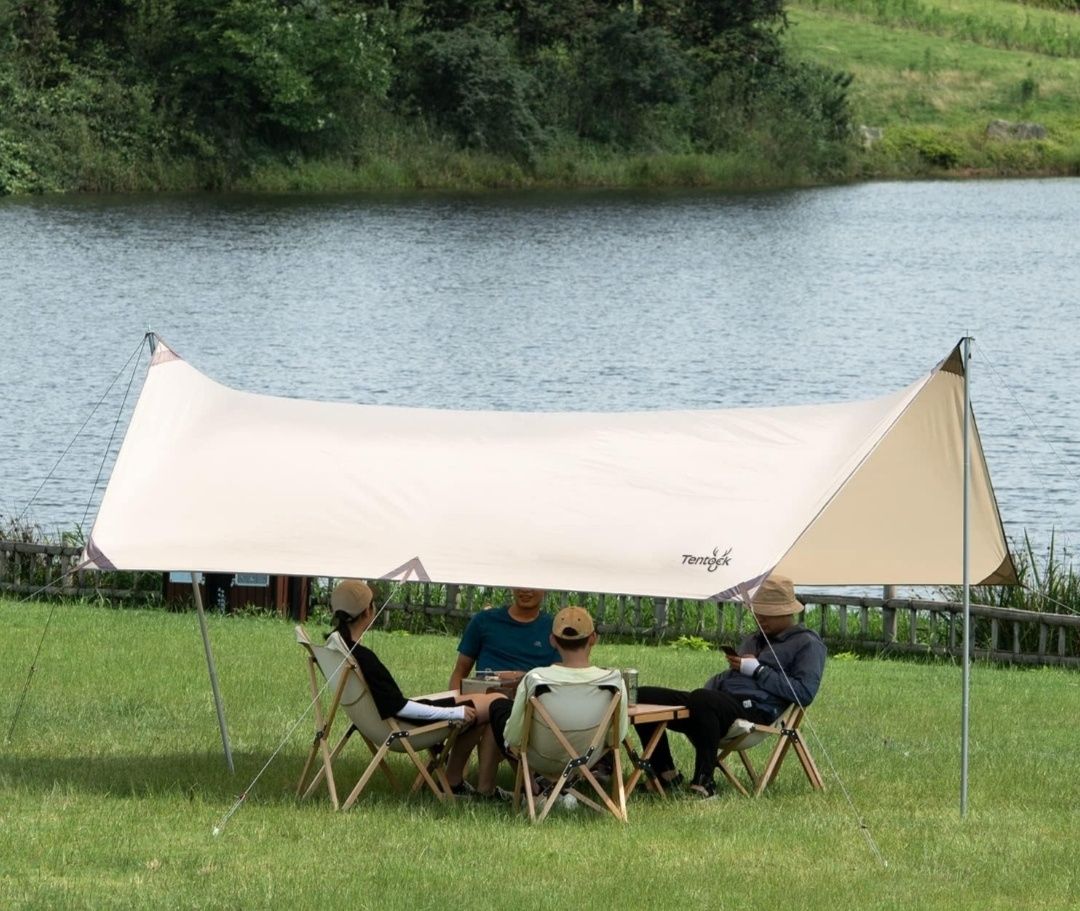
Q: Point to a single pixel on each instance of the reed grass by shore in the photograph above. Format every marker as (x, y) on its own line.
(113, 782)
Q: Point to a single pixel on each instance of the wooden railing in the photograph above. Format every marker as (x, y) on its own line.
(877, 625)
(47, 570)
(868, 624)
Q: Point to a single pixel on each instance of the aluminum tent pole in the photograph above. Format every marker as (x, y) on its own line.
(966, 686)
(213, 673)
(151, 339)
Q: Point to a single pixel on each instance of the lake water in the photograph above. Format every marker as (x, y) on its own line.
(548, 301)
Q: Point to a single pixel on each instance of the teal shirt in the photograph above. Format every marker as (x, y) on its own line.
(498, 642)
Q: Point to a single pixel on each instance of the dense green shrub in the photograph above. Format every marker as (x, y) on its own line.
(470, 81)
(624, 74)
(929, 146)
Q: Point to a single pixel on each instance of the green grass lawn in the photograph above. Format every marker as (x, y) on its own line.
(114, 781)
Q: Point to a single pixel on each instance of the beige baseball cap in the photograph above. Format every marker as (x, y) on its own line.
(351, 597)
(573, 623)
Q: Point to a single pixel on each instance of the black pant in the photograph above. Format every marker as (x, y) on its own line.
(711, 714)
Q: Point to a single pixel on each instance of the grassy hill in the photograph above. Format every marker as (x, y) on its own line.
(934, 73)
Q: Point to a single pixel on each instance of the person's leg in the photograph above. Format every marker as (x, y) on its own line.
(711, 714)
(481, 702)
(662, 762)
(468, 739)
(492, 746)
(459, 756)
(489, 755)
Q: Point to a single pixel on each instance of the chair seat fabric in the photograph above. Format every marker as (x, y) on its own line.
(577, 708)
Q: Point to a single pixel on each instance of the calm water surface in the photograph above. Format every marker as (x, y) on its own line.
(595, 301)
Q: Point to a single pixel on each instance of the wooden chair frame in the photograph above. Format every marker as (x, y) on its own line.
(786, 730)
(577, 765)
(431, 773)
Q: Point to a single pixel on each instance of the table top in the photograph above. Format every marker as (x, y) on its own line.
(647, 712)
(641, 712)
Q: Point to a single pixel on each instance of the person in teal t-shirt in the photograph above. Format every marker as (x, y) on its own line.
(513, 638)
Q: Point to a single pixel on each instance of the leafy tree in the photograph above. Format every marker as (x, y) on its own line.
(472, 83)
(625, 72)
(703, 23)
(540, 24)
(85, 23)
(30, 42)
(278, 72)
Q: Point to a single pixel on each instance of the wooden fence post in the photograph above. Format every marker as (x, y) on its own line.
(888, 616)
(660, 616)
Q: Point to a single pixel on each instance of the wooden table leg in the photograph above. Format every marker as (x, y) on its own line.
(642, 763)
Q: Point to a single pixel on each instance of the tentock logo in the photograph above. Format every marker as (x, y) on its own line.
(710, 563)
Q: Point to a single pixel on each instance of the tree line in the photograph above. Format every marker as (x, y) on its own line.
(94, 87)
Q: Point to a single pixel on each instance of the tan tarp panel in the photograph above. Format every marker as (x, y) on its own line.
(684, 503)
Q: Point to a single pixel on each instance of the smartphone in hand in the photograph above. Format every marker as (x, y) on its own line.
(728, 650)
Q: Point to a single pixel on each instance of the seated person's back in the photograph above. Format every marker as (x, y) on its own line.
(580, 690)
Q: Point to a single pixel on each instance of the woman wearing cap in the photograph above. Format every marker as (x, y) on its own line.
(779, 664)
(353, 613)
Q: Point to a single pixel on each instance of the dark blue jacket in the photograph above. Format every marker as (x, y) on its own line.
(798, 651)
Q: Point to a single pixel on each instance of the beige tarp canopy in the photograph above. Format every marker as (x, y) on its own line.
(693, 504)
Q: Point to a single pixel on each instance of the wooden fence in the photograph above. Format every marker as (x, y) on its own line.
(867, 624)
(879, 625)
(46, 570)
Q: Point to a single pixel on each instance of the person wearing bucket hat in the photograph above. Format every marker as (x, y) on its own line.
(780, 663)
(352, 614)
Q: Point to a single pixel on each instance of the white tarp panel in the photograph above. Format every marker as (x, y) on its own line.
(685, 503)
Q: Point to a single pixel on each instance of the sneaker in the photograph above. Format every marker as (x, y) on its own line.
(541, 784)
(566, 801)
(500, 794)
(604, 769)
(703, 790)
(673, 784)
(465, 790)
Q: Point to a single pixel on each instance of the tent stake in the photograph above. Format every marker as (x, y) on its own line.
(966, 687)
(213, 673)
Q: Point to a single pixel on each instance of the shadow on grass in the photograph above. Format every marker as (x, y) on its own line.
(190, 775)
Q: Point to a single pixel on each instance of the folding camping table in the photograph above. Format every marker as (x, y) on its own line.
(661, 715)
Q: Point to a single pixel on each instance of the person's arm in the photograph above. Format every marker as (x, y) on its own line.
(468, 648)
(462, 667)
(801, 678)
(419, 711)
(512, 732)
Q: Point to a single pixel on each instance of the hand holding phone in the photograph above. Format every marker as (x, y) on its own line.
(728, 650)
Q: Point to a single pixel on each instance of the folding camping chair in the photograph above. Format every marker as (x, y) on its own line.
(350, 693)
(743, 734)
(566, 729)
